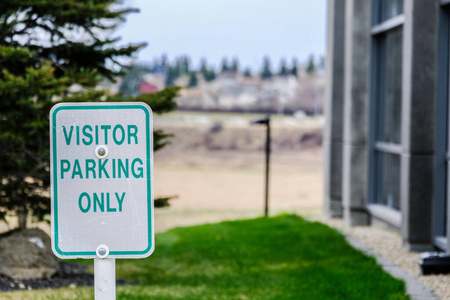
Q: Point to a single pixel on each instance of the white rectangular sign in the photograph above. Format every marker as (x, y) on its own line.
(102, 179)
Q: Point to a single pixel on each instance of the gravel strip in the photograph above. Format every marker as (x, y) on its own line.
(70, 275)
(387, 244)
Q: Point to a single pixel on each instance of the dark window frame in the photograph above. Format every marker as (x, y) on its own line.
(381, 26)
(442, 155)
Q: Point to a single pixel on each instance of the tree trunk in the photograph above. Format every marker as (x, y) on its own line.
(22, 219)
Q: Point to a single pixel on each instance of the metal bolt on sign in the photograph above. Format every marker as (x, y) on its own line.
(101, 151)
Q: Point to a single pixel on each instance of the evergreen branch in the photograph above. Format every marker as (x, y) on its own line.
(27, 26)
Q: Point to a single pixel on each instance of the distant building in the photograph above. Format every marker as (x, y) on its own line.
(387, 100)
(147, 88)
(233, 92)
(155, 79)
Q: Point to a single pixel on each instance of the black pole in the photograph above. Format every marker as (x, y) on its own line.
(266, 203)
(266, 122)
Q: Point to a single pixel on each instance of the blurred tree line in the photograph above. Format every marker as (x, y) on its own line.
(181, 67)
(52, 52)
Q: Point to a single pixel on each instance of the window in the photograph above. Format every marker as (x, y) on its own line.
(390, 174)
(442, 169)
(389, 125)
(386, 117)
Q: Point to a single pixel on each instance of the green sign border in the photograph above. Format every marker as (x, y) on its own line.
(67, 106)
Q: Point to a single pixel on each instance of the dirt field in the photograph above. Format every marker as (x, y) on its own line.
(218, 174)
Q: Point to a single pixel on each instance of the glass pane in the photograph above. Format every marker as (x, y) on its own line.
(443, 211)
(390, 180)
(393, 8)
(391, 94)
(386, 9)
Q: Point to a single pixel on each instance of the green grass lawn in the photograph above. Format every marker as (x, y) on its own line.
(282, 257)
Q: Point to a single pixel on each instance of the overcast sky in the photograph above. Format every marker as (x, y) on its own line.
(247, 29)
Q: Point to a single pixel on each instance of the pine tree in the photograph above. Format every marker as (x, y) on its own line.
(46, 49)
(311, 66)
(132, 77)
(171, 76)
(294, 70)
(235, 65)
(184, 65)
(203, 65)
(266, 72)
(25, 92)
(192, 79)
(283, 69)
(208, 74)
(178, 67)
(247, 72)
(225, 67)
(164, 63)
(322, 62)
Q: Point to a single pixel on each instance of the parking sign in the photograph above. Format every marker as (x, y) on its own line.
(102, 179)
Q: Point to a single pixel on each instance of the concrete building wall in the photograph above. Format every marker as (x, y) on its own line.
(420, 41)
(349, 110)
(356, 103)
(334, 100)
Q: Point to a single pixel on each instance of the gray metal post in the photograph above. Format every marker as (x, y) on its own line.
(105, 278)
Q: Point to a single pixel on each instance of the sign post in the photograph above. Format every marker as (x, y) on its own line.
(102, 185)
(266, 121)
